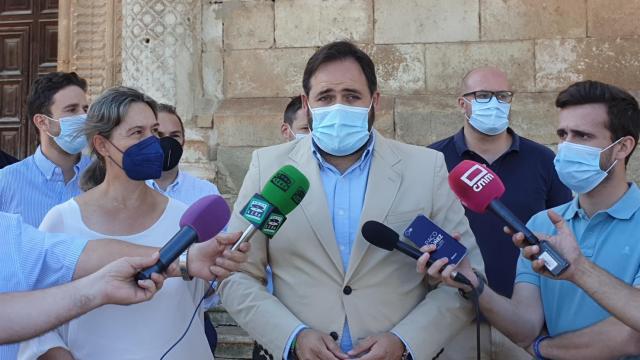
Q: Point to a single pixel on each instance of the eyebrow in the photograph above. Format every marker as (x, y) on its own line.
(71, 107)
(324, 92)
(350, 90)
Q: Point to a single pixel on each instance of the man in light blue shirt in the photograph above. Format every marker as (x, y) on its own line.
(598, 131)
(57, 104)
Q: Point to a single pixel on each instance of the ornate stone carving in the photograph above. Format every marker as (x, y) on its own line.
(89, 41)
(160, 45)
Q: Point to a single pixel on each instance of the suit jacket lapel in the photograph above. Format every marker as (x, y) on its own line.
(382, 187)
(314, 205)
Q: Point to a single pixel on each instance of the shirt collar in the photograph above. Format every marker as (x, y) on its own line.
(461, 144)
(360, 163)
(48, 168)
(174, 184)
(623, 209)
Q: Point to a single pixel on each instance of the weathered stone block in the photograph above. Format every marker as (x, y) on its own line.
(534, 116)
(560, 63)
(304, 23)
(250, 122)
(204, 170)
(247, 24)
(264, 73)
(195, 151)
(422, 120)
(232, 165)
(384, 117)
(532, 19)
(613, 18)
(447, 64)
(425, 21)
(204, 121)
(400, 68)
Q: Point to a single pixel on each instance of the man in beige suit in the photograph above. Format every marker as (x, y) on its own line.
(335, 296)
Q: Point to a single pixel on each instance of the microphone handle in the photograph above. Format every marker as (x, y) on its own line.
(170, 252)
(409, 250)
(415, 253)
(553, 260)
(246, 236)
(505, 214)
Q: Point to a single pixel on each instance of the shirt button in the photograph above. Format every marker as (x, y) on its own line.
(334, 335)
(347, 290)
(341, 212)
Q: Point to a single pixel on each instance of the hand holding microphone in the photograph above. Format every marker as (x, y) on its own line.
(479, 189)
(382, 236)
(200, 222)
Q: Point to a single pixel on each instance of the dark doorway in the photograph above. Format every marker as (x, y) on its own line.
(28, 49)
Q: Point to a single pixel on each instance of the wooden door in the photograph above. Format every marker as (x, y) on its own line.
(28, 49)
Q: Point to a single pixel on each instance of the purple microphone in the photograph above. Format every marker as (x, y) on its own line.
(200, 222)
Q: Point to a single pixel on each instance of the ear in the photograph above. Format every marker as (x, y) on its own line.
(626, 145)
(284, 131)
(100, 145)
(461, 104)
(375, 100)
(41, 122)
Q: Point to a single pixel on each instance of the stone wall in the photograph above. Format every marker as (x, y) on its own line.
(421, 49)
(229, 66)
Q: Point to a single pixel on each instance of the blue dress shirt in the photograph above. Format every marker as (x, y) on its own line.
(186, 188)
(34, 185)
(30, 259)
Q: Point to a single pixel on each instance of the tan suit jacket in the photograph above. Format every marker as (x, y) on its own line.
(387, 292)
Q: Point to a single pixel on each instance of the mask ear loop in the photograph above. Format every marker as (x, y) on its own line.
(52, 119)
(117, 148)
(607, 148)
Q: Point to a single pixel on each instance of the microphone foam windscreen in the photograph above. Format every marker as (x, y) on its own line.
(380, 235)
(207, 216)
(286, 188)
(475, 185)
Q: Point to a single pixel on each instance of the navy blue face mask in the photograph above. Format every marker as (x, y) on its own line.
(143, 160)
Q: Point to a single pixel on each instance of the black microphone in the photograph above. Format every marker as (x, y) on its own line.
(382, 236)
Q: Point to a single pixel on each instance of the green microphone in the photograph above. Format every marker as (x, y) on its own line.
(268, 210)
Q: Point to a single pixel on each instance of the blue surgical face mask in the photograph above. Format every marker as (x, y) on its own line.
(71, 139)
(340, 129)
(578, 166)
(491, 118)
(142, 160)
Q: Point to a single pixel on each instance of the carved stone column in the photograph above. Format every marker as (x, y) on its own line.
(89, 41)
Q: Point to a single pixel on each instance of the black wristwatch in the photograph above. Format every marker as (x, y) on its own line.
(479, 289)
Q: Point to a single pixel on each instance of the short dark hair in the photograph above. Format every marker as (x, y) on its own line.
(340, 50)
(292, 108)
(170, 109)
(45, 88)
(622, 107)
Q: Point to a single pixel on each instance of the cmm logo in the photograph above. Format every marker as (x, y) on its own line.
(477, 177)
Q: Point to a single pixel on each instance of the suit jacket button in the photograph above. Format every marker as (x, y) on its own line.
(347, 290)
(334, 335)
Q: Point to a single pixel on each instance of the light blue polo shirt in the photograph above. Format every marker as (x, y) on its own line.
(610, 239)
